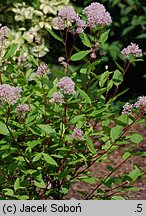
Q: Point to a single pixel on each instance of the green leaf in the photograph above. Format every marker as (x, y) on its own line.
(8, 192)
(54, 34)
(85, 96)
(117, 77)
(23, 197)
(134, 174)
(80, 55)
(40, 184)
(141, 36)
(116, 132)
(37, 157)
(118, 198)
(88, 179)
(119, 67)
(33, 143)
(90, 145)
(32, 59)
(98, 112)
(104, 77)
(85, 40)
(17, 184)
(10, 51)
(49, 159)
(104, 36)
(77, 119)
(136, 138)
(3, 129)
(92, 65)
(126, 155)
(46, 128)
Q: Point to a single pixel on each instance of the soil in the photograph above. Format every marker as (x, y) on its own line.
(100, 171)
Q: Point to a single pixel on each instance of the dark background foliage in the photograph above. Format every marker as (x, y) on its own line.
(129, 25)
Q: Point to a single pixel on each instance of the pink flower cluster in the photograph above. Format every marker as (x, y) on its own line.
(4, 31)
(66, 17)
(57, 97)
(127, 108)
(77, 134)
(141, 103)
(43, 70)
(66, 85)
(97, 15)
(132, 49)
(22, 109)
(9, 94)
(68, 14)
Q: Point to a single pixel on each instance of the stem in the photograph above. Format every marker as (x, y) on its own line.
(66, 52)
(45, 99)
(115, 93)
(104, 179)
(20, 151)
(104, 152)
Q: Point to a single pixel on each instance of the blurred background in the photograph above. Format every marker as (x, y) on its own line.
(29, 19)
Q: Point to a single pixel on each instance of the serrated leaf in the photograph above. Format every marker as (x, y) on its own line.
(136, 138)
(37, 157)
(49, 159)
(10, 51)
(116, 132)
(80, 55)
(17, 184)
(54, 34)
(85, 40)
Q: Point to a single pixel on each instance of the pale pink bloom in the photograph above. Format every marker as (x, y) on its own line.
(97, 15)
(57, 97)
(77, 134)
(61, 59)
(22, 109)
(132, 49)
(9, 94)
(43, 70)
(4, 31)
(141, 103)
(68, 14)
(58, 23)
(80, 25)
(127, 108)
(66, 85)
